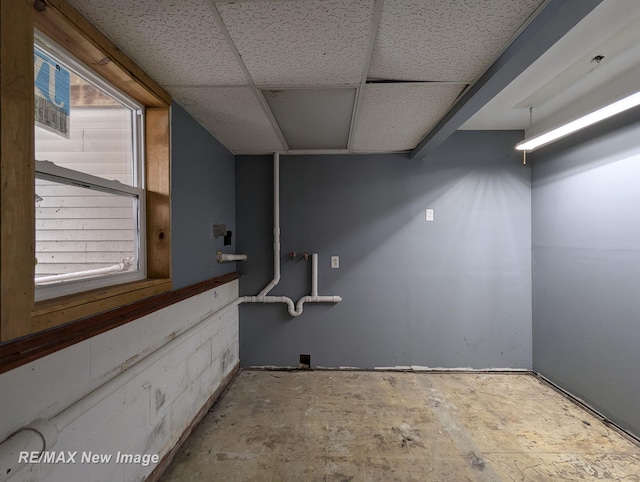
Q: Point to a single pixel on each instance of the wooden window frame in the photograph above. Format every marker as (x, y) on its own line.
(20, 315)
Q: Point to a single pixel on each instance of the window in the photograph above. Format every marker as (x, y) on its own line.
(89, 199)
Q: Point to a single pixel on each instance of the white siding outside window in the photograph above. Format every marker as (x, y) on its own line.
(82, 222)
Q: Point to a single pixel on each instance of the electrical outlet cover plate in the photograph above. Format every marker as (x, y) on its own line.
(335, 261)
(429, 215)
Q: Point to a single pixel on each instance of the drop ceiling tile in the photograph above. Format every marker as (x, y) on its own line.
(302, 42)
(444, 40)
(313, 118)
(175, 42)
(232, 115)
(395, 117)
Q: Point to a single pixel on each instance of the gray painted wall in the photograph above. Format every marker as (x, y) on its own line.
(586, 266)
(202, 185)
(455, 292)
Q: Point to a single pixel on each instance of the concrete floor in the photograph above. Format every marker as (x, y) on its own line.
(383, 426)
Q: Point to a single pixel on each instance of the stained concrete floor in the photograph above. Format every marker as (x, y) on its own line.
(384, 426)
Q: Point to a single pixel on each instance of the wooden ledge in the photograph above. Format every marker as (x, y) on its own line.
(23, 350)
(65, 309)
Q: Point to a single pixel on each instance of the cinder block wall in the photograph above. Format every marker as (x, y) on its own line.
(145, 416)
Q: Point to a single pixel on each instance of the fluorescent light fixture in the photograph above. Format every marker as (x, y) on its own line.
(580, 123)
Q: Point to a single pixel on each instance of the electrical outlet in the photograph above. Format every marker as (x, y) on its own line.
(335, 261)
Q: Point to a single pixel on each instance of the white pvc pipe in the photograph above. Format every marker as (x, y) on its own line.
(222, 257)
(43, 434)
(294, 310)
(124, 266)
(315, 299)
(314, 274)
(276, 226)
(272, 299)
(25, 440)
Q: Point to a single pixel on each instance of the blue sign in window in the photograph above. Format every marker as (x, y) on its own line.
(52, 94)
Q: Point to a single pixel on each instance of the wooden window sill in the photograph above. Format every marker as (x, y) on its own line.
(49, 313)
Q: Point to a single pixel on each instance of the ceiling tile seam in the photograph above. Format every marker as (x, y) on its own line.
(357, 105)
(307, 86)
(204, 86)
(266, 87)
(301, 152)
(354, 114)
(419, 82)
(272, 119)
(238, 1)
(251, 83)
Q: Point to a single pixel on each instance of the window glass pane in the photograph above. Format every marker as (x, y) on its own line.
(100, 128)
(80, 229)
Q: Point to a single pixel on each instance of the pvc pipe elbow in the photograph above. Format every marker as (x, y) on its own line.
(269, 287)
(293, 311)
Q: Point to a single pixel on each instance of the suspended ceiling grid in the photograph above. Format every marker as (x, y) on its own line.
(391, 68)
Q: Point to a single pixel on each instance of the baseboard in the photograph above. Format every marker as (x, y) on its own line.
(404, 369)
(155, 475)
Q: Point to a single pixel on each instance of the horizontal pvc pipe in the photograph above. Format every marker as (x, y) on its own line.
(315, 299)
(124, 266)
(222, 257)
(294, 310)
(72, 413)
(272, 299)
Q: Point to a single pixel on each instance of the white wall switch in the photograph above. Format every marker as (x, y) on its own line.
(335, 261)
(429, 215)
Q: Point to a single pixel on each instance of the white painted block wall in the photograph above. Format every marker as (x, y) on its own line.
(149, 413)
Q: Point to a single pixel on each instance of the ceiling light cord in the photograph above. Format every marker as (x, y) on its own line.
(530, 115)
(524, 152)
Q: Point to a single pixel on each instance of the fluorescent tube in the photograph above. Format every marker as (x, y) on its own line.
(580, 123)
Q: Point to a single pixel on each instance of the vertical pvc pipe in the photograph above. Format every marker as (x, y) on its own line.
(276, 217)
(314, 274)
(294, 310)
(276, 226)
